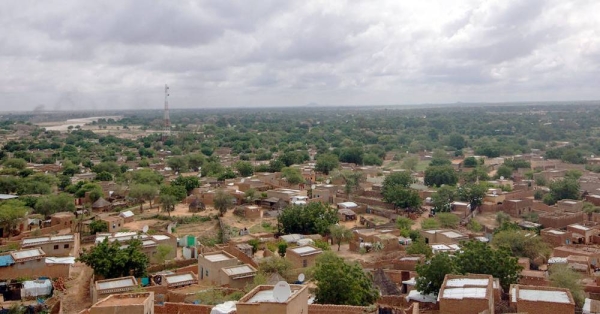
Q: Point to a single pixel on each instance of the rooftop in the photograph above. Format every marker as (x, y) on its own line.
(37, 241)
(217, 257)
(305, 250)
(580, 227)
(553, 296)
(461, 282)
(28, 254)
(116, 283)
(265, 294)
(463, 293)
(240, 271)
(124, 299)
(179, 278)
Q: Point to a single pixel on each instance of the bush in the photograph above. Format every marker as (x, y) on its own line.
(448, 220)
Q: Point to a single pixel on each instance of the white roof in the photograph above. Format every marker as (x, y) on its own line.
(238, 270)
(126, 214)
(411, 282)
(556, 231)
(265, 296)
(482, 239)
(179, 278)
(60, 260)
(460, 203)
(348, 204)
(462, 293)
(219, 257)
(118, 283)
(27, 253)
(461, 282)
(34, 241)
(580, 227)
(557, 260)
(544, 296)
(160, 237)
(305, 250)
(452, 234)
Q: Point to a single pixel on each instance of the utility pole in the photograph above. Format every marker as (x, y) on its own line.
(167, 123)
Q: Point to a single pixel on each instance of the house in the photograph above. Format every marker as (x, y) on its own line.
(115, 223)
(303, 256)
(517, 207)
(59, 245)
(64, 219)
(556, 237)
(127, 216)
(347, 205)
(537, 299)
(261, 300)
(443, 236)
(179, 280)
(571, 206)
(325, 193)
(237, 277)
(470, 294)
(150, 243)
(33, 263)
(130, 303)
(592, 253)
(345, 214)
(103, 288)
(101, 205)
(582, 234)
(210, 264)
(253, 212)
(285, 194)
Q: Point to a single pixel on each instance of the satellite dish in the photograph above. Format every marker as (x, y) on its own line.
(242, 180)
(501, 177)
(328, 181)
(301, 277)
(282, 291)
(313, 187)
(145, 229)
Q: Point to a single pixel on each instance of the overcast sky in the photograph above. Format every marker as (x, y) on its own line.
(119, 54)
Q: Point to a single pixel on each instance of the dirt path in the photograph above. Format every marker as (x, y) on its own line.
(417, 223)
(77, 297)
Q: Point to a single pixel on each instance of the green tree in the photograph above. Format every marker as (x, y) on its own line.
(162, 251)
(110, 260)
(142, 193)
(339, 282)
(470, 162)
(504, 171)
(472, 193)
(474, 226)
(282, 249)
(292, 175)
(400, 178)
(195, 161)
(521, 244)
(146, 176)
(340, 234)
(402, 197)
(222, 201)
(178, 164)
(326, 163)
(404, 223)
(432, 274)
(564, 189)
(313, 218)
(448, 220)
(501, 218)
(107, 166)
(456, 140)
(419, 247)
(564, 277)
(11, 213)
(168, 202)
(440, 175)
(17, 163)
(98, 226)
(177, 191)
(50, 204)
(479, 258)
(410, 163)
(430, 223)
(244, 168)
(189, 183)
(443, 197)
(104, 176)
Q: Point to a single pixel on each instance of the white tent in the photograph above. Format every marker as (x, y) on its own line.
(35, 288)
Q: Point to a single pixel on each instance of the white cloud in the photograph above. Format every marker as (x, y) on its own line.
(112, 54)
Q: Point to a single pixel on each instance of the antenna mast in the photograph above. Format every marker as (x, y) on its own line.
(167, 127)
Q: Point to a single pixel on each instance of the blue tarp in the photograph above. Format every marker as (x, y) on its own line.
(6, 260)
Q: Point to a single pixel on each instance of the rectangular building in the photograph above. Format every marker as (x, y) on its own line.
(59, 245)
(237, 276)
(131, 303)
(470, 294)
(535, 299)
(103, 288)
(210, 264)
(261, 300)
(303, 256)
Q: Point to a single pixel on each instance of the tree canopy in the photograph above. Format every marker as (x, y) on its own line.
(109, 260)
(313, 218)
(343, 283)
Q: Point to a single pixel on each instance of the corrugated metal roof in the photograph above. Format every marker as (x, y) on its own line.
(173, 279)
(238, 270)
(27, 254)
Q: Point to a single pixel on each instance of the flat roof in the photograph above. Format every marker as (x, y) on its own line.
(60, 238)
(123, 299)
(218, 257)
(305, 250)
(544, 296)
(461, 282)
(27, 254)
(580, 227)
(266, 296)
(556, 231)
(117, 283)
(239, 270)
(160, 237)
(452, 234)
(179, 278)
(463, 293)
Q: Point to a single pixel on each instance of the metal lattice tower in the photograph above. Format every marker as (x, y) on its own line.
(167, 126)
